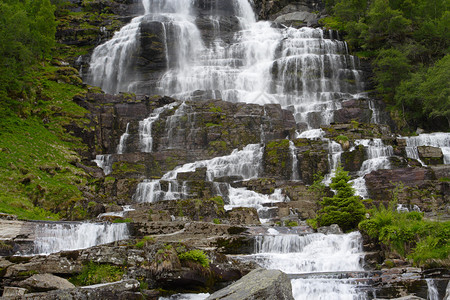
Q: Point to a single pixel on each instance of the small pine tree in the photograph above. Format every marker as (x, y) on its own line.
(344, 208)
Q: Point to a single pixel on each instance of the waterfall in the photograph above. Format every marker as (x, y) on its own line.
(312, 255)
(245, 163)
(433, 293)
(438, 139)
(377, 158)
(295, 175)
(315, 252)
(55, 237)
(104, 162)
(334, 159)
(122, 142)
(145, 127)
(301, 69)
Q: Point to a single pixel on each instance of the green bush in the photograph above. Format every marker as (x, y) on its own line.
(93, 273)
(197, 256)
(343, 208)
(408, 234)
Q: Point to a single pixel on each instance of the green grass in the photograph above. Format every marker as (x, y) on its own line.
(94, 273)
(38, 179)
(197, 256)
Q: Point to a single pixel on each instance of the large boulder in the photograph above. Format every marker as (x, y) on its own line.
(258, 284)
(45, 282)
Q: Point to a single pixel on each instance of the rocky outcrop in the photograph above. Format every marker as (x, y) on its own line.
(258, 284)
(270, 10)
(45, 282)
(127, 289)
(312, 156)
(430, 155)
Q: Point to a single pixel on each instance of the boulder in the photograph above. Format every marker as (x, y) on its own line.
(258, 284)
(332, 229)
(431, 155)
(12, 291)
(125, 289)
(45, 282)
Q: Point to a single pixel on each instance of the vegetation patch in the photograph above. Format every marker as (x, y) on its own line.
(197, 256)
(93, 273)
(344, 208)
(409, 235)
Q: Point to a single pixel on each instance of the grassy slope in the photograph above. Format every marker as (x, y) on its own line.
(38, 179)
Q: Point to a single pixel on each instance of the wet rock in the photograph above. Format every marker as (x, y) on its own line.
(353, 160)
(381, 183)
(243, 216)
(332, 229)
(355, 109)
(312, 156)
(258, 284)
(430, 155)
(45, 282)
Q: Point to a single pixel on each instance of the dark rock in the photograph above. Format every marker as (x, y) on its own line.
(431, 155)
(332, 229)
(243, 216)
(381, 183)
(353, 160)
(258, 284)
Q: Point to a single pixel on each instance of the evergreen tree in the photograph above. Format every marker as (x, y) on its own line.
(344, 208)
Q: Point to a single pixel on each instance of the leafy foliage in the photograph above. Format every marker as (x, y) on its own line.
(408, 234)
(196, 256)
(343, 208)
(407, 40)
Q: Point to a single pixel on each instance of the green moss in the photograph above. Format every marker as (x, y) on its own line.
(126, 220)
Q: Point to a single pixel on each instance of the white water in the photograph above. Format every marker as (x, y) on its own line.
(433, 293)
(438, 139)
(104, 162)
(122, 142)
(245, 163)
(145, 127)
(377, 158)
(55, 237)
(241, 197)
(297, 68)
(334, 159)
(314, 254)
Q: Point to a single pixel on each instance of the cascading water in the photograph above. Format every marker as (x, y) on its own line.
(295, 174)
(145, 127)
(313, 255)
(104, 162)
(55, 237)
(438, 139)
(122, 142)
(245, 163)
(377, 158)
(300, 69)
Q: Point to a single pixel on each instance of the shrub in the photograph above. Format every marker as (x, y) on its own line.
(197, 256)
(94, 273)
(343, 208)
